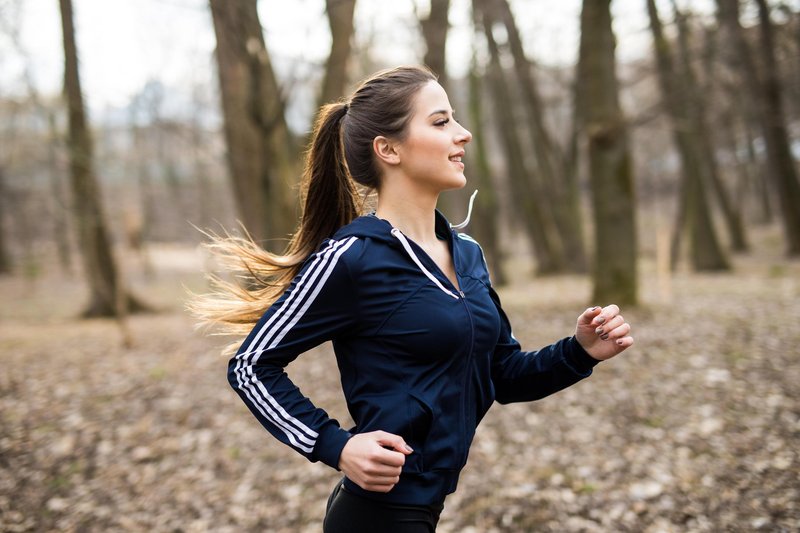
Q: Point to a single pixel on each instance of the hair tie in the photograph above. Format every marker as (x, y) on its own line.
(346, 107)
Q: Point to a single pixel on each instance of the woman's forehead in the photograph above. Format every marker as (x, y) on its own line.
(431, 99)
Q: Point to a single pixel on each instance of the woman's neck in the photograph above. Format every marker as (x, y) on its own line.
(413, 214)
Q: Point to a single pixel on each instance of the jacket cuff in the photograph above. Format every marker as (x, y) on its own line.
(329, 445)
(577, 358)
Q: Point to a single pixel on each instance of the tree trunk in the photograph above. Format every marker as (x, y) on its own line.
(60, 203)
(202, 178)
(762, 184)
(261, 155)
(745, 96)
(340, 19)
(767, 113)
(106, 291)
(782, 164)
(572, 192)
(139, 238)
(705, 251)
(754, 180)
(570, 164)
(61, 224)
(791, 30)
(167, 169)
(744, 179)
(679, 225)
(564, 206)
(549, 254)
(706, 150)
(615, 276)
(795, 16)
(485, 215)
(434, 31)
(5, 257)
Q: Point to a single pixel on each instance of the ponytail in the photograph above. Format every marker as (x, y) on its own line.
(328, 193)
(339, 157)
(330, 201)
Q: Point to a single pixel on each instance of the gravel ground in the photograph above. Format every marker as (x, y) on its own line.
(694, 429)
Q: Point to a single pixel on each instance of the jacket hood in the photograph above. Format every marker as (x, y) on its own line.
(379, 229)
(372, 227)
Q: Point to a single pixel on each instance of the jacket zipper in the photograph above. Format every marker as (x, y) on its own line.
(469, 363)
(468, 367)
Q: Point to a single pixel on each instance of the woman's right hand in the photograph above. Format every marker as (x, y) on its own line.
(373, 461)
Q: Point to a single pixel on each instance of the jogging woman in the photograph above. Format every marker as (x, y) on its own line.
(422, 343)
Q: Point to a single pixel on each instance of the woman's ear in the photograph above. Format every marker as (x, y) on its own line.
(385, 150)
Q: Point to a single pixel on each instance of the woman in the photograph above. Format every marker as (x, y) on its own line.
(421, 341)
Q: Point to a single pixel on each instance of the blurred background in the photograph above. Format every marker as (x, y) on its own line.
(638, 152)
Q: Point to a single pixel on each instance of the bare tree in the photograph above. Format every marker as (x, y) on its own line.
(742, 103)
(561, 187)
(765, 91)
(340, 18)
(5, 256)
(528, 197)
(198, 145)
(733, 127)
(486, 204)
(262, 156)
(782, 164)
(615, 277)
(696, 106)
(434, 31)
(61, 222)
(107, 295)
(11, 26)
(139, 226)
(693, 211)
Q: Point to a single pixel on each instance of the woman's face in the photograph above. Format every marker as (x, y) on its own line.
(432, 151)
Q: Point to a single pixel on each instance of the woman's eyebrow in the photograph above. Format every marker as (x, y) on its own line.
(442, 111)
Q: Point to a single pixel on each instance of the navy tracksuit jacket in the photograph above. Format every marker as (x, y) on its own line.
(418, 357)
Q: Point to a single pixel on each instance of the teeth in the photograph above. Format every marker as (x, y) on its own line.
(456, 158)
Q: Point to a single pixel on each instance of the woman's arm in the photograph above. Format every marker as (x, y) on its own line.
(525, 376)
(318, 305)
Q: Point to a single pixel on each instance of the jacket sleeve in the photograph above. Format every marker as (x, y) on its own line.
(520, 376)
(317, 306)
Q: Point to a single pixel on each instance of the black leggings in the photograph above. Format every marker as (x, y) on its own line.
(351, 513)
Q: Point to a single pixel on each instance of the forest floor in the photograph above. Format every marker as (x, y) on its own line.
(695, 428)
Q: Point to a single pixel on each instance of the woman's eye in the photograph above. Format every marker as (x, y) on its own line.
(441, 122)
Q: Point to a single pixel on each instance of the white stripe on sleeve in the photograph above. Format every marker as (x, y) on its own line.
(274, 330)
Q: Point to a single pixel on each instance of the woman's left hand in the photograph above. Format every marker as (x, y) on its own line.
(602, 332)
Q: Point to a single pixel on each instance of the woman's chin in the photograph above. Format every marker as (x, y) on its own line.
(457, 183)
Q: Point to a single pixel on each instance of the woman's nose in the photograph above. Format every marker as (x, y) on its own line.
(465, 136)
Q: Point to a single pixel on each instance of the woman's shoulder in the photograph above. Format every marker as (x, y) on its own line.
(472, 255)
(469, 244)
(468, 238)
(336, 250)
